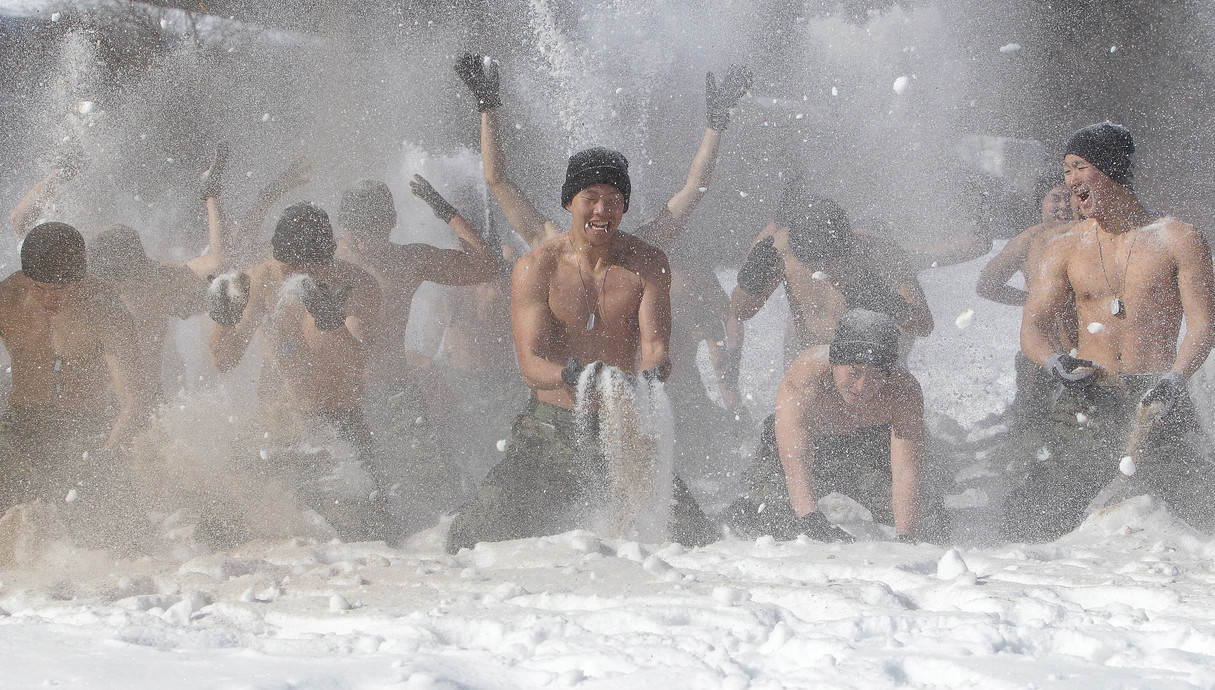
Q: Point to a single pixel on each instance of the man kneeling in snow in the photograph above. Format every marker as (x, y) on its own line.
(848, 419)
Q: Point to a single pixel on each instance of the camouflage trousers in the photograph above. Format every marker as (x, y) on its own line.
(856, 464)
(548, 484)
(1073, 458)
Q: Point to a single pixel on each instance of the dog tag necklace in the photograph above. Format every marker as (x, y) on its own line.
(1117, 306)
(590, 319)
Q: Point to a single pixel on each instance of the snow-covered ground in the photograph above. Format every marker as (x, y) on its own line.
(1127, 600)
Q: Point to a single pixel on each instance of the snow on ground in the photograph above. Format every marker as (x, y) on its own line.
(1127, 600)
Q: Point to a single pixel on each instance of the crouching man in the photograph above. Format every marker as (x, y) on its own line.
(848, 419)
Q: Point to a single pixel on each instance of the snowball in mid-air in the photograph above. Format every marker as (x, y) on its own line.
(901, 84)
(819, 275)
(501, 445)
(1127, 466)
(1096, 327)
(1010, 47)
(964, 318)
(71, 496)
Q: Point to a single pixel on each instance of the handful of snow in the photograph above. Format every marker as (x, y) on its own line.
(1127, 466)
(900, 85)
(964, 319)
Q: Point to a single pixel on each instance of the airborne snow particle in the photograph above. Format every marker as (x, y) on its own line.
(819, 275)
(1127, 466)
(71, 496)
(964, 319)
(900, 85)
(1010, 47)
(1096, 327)
(501, 445)
(265, 117)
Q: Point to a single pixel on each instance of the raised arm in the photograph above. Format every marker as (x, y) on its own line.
(212, 262)
(663, 230)
(1197, 288)
(28, 211)
(473, 263)
(993, 280)
(242, 240)
(480, 74)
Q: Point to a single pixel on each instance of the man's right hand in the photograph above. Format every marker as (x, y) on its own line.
(480, 74)
(571, 372)
(228, 295)
(816, 526)
(326, 305)
(720, 98)
(1072, 371)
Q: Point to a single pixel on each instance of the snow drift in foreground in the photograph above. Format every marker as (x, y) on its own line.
(1126, 600)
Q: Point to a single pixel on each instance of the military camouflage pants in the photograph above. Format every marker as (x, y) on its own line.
(856, 464)
(547, 484)
(1077, 455)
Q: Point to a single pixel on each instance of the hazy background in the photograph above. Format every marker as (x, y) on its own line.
(918, 116)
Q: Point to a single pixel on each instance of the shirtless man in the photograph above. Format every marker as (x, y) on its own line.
(568, 306)
(72, 345)
(1134, 276)
(399, 392)
(689, 284)
(313, 314)
(826, 269)
(1023, 253)
(850, 419)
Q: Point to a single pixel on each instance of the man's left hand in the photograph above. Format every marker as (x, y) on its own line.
(1167, 391)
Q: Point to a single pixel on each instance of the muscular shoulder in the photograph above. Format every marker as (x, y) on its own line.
(804, 376)
(641, 257)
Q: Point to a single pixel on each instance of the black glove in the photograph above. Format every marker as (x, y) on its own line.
(759, 268)
(422, 189)
(721, 98)
(1064, 368)
(212, 177)
(325, 304)
(1167, 391)
(480, 75)
(571, 372)
(228, 294)
(658, 373)
(816, 526)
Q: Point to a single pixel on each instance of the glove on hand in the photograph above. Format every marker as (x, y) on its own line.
(720, 99)
(1070, 370)
(480, 74)
(1167, 391)
(422, 189)
(326, 305)
(658, 373)
(816, 526)
(228, 294)
(212, 177)
(572, 372)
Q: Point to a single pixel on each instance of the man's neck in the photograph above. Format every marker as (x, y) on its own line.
(1123, 214)
(583, 249)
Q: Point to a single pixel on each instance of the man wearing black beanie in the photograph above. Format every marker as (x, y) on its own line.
(1135, 275)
